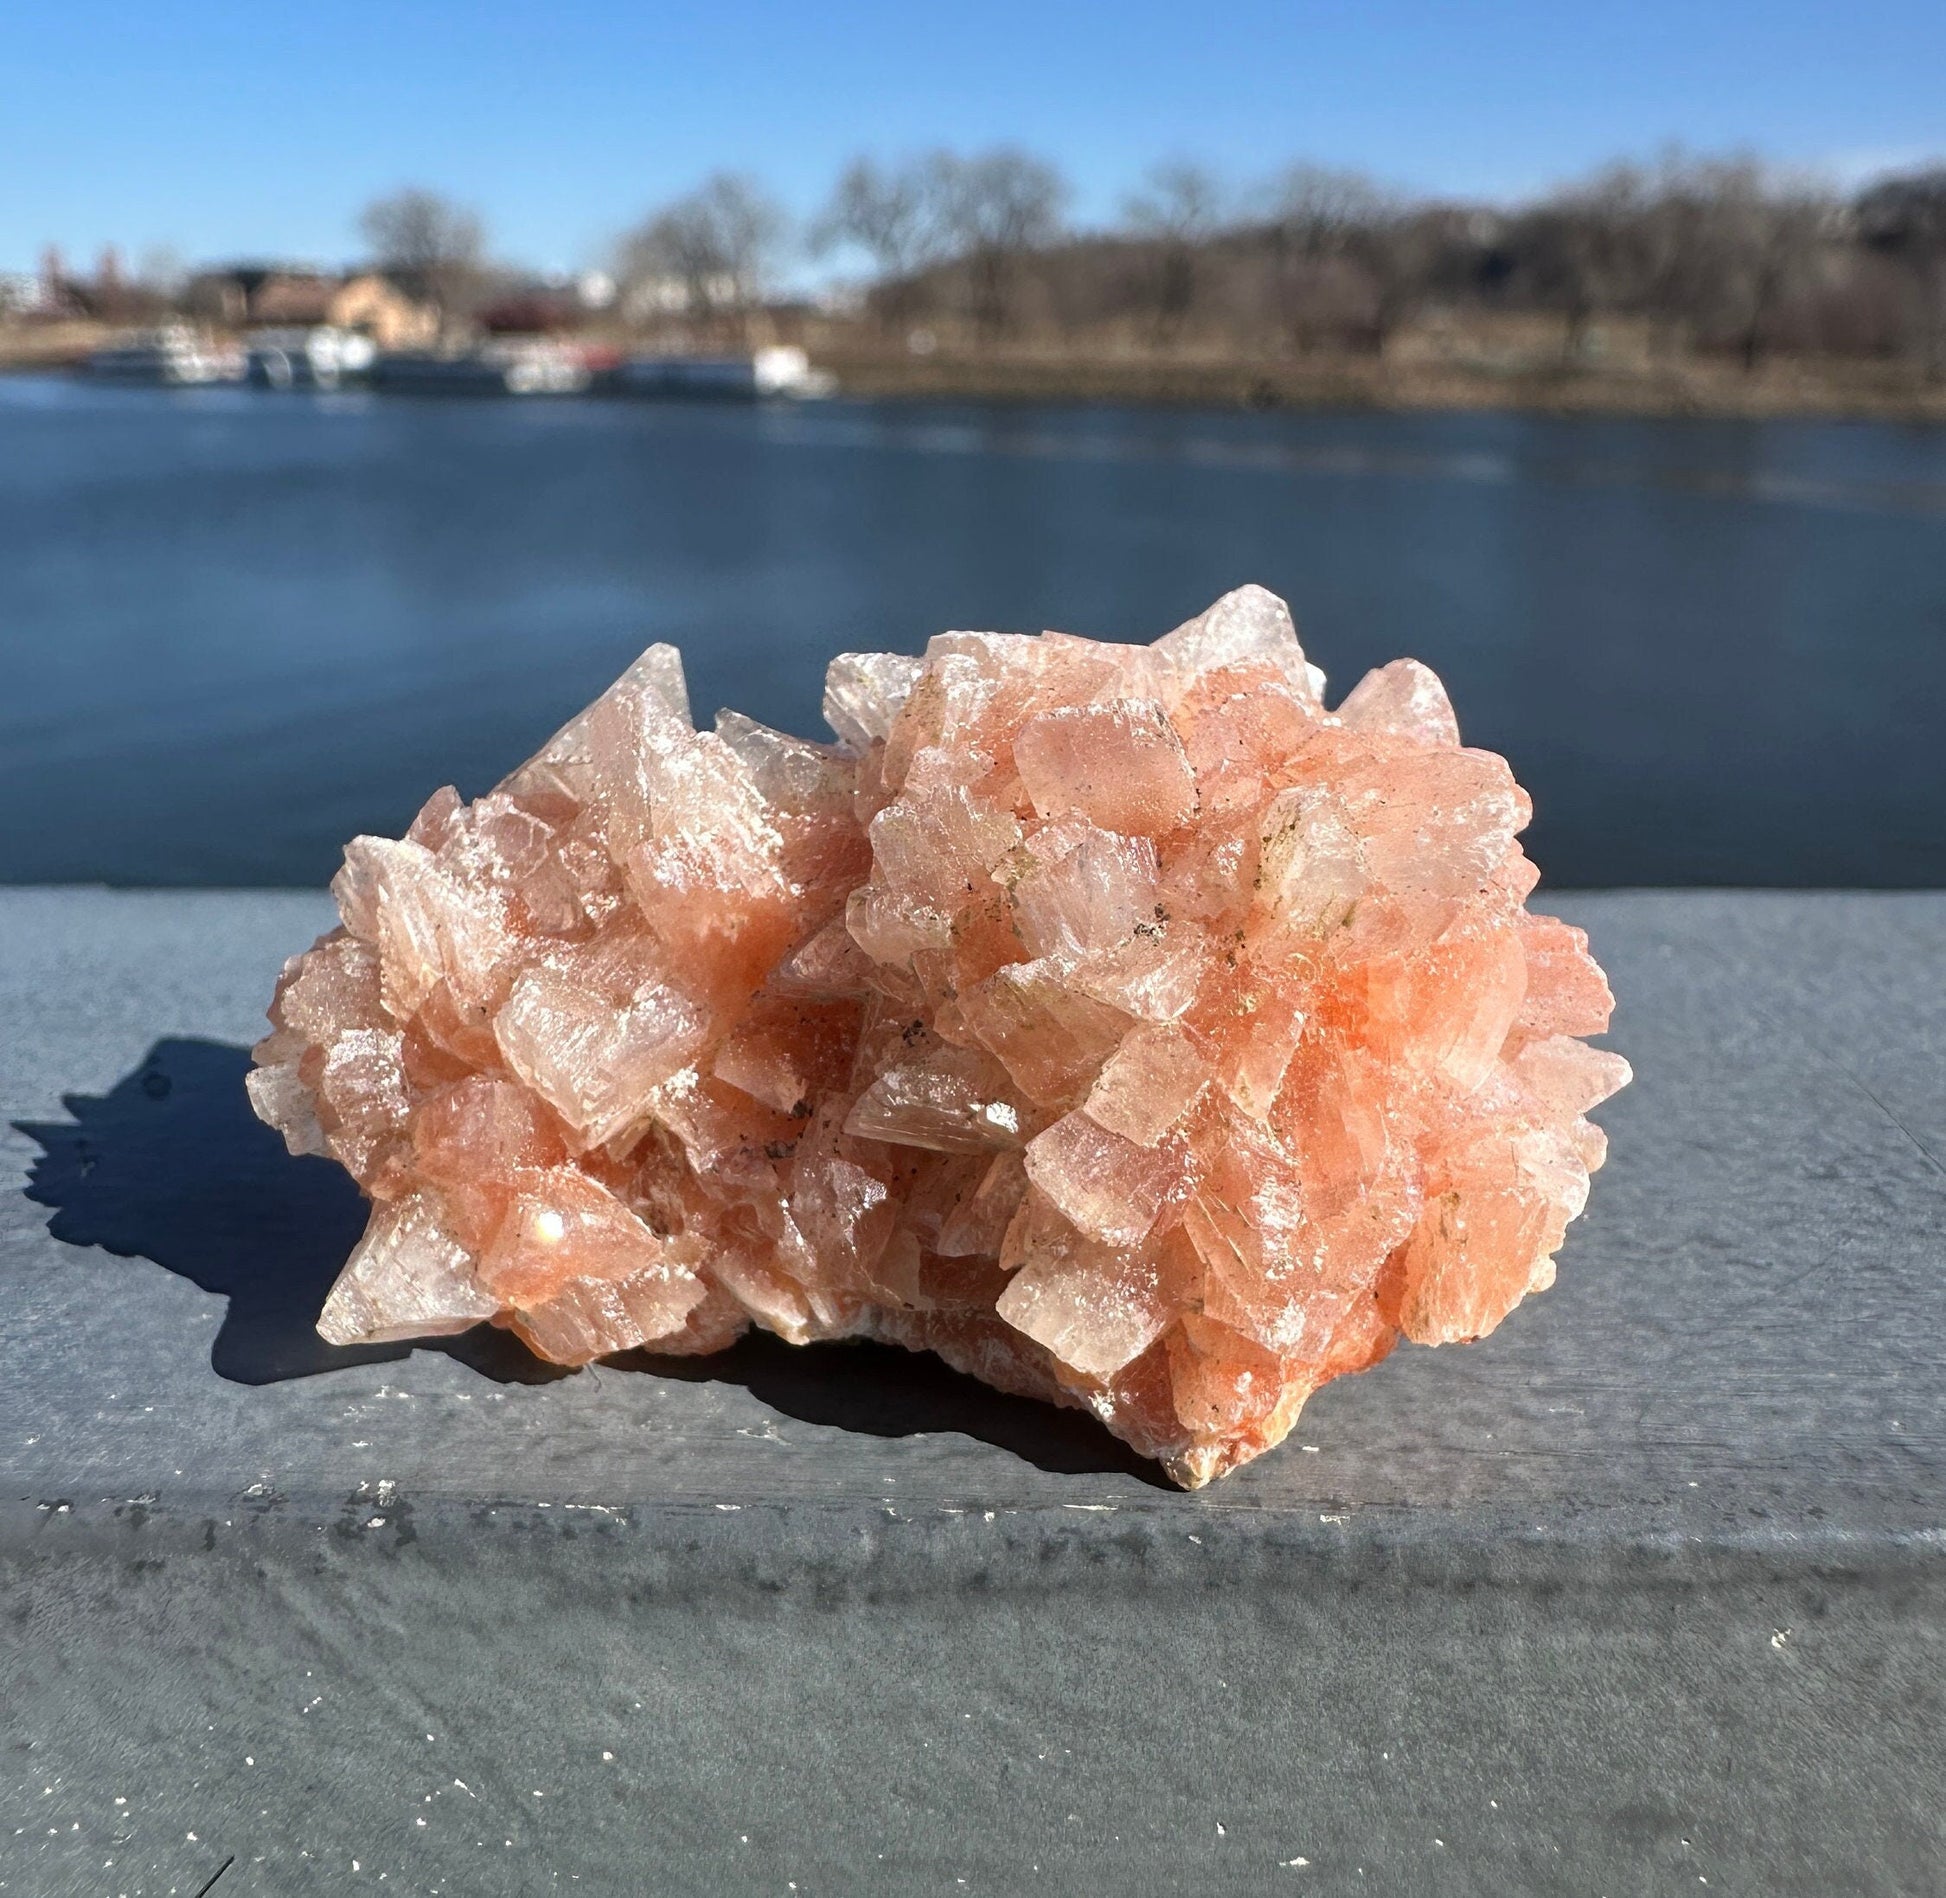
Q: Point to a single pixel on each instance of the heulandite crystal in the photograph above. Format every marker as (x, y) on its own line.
(1113, 1021)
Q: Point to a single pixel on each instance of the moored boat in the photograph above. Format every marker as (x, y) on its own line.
(498, 369)
(779, 371)
(173, 356)
(316, 358)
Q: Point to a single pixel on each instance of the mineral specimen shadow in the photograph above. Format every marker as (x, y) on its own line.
(883, 1390)
(172, 1166)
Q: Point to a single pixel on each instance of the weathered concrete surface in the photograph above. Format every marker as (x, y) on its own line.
(1645, 1591)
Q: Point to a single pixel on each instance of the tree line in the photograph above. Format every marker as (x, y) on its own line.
(1707, 254)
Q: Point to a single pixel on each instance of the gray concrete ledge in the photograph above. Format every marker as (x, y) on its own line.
(1646, 1590)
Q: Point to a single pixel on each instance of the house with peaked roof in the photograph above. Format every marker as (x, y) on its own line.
(246, 296)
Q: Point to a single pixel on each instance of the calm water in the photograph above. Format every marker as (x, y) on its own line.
(237, 628)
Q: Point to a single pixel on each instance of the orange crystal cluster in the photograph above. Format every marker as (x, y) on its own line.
(1113, 1021)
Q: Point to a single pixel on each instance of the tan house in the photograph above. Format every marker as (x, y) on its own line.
(377, 307)
(249, 296)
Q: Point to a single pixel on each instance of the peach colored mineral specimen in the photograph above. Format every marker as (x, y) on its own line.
(1113, 1021)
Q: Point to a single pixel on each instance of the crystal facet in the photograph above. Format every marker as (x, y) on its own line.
(1113, 1021)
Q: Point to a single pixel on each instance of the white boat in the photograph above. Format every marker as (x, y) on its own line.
(317, 358)
(498, 369)
(173, 356)
(541, 368)
(780, 371)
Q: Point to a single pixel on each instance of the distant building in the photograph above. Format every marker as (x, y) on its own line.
(291, 298)
(376, 307)
(533, 310)
(246, 296)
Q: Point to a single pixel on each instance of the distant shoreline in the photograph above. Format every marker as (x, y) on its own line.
(1691, 387)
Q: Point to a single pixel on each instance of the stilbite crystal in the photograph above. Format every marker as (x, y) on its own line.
(1113, 1021)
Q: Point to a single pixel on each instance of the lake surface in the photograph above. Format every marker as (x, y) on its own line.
(237, 628)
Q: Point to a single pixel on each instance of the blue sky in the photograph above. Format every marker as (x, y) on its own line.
(251, 129)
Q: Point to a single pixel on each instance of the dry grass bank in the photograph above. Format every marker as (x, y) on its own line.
(49, 345)
(1691, 387)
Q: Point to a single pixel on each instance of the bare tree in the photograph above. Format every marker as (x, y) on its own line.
(1759, 238)
(1318, 216)
(1318, 208)
(710, 253)
(894, 215)
(1586, 249)
(1723, 246)
(995, 208)
(1179, 210)
(1400, 255)
(1762, 240)
(1906, 218)
(430, 244)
